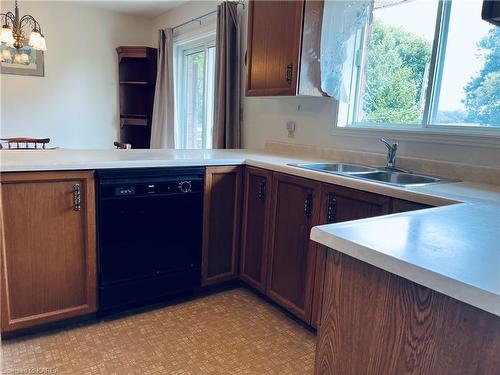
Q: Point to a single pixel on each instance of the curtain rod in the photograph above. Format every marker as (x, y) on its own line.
(203, 16)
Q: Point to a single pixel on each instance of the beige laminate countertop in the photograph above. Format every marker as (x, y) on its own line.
(453, 249)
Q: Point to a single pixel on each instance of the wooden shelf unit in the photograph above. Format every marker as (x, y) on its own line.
(137, 80)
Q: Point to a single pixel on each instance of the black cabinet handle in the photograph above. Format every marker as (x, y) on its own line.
(289, 74)
(262, 190)
(77, 197)
(308, 204)
(332, 210)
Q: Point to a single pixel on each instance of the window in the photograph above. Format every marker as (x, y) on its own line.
(194, 87)
(424, 64)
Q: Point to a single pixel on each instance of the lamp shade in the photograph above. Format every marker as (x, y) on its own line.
(6, 36)
(6, 55)
(37, 41)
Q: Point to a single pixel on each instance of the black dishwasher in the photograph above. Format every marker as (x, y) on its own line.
(149, 234)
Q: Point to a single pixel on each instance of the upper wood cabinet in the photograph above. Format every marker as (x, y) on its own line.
(292, 255)
(283, 45)
(49, 248)
(221, 224)
(256, 216)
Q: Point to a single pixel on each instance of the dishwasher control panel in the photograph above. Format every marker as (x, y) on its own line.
(125, 190)
(140, 183)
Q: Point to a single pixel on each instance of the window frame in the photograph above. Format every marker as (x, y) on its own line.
(185, 45)
(343, 124)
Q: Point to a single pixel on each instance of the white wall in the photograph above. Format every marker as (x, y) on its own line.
(76, 103)
(184, 13)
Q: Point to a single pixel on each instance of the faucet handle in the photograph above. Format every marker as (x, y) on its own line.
(389, 145)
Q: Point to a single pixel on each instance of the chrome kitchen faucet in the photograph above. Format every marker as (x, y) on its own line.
(392, 148)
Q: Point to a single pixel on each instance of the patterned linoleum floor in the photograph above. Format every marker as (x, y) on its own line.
(232, 332)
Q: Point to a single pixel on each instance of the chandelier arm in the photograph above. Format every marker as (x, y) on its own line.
(29, 19)
(9, 16)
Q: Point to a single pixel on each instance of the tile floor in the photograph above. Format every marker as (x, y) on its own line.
(231, 332)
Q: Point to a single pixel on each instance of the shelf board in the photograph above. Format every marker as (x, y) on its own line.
(136, 83)
(126, 121)
(133, 115)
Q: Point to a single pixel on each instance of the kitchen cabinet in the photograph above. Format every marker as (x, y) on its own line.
(283, 48)
(340, 204)
(256, 217)
(49, 247)
(221, 224)
(400, 205)
(381, 323)
(292, 256)
(277, 257)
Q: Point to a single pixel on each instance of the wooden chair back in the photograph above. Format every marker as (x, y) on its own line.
(122, 146)
(23, 143)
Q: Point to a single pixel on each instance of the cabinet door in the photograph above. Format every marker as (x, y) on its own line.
(49, 249)
(256, 210)
(345, 204)
(292, 254)
(342, 204)
(221, 221)
(274, 36)
(400, 205)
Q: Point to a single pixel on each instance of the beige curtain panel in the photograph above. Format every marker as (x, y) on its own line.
(227, 132)
(162, 123)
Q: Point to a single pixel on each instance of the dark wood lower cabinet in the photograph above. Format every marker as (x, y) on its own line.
(400, 205)
(375, 322)
(221, 224)
(255, 228)
(340, 204)
(292, 256)
(345, 204)
(277, 257)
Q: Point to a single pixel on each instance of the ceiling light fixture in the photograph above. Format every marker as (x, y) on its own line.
(14, 31)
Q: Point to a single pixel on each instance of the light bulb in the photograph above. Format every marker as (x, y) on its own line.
(18, 58)
(25, 59)
(37, 41)
(6, 36)
(6, 55)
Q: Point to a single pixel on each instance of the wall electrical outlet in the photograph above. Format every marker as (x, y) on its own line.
(290, 126)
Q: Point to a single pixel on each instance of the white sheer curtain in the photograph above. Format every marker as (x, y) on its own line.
(162, 123)
(341, 20)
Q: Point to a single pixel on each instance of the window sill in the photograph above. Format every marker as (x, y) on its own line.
(482, 138)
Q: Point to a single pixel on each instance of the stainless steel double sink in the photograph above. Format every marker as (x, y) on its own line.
(376, 174)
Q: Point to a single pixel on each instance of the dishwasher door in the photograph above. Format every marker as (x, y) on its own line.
(150, 237)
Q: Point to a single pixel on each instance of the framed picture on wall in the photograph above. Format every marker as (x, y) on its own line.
(25, 61)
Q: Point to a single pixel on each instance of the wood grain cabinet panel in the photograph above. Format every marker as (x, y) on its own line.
(340, 204)
(400, 205)
(375, 322)
(295, 210)
(49, 248)
(274, 39)
(221, 224)
(256, 212)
